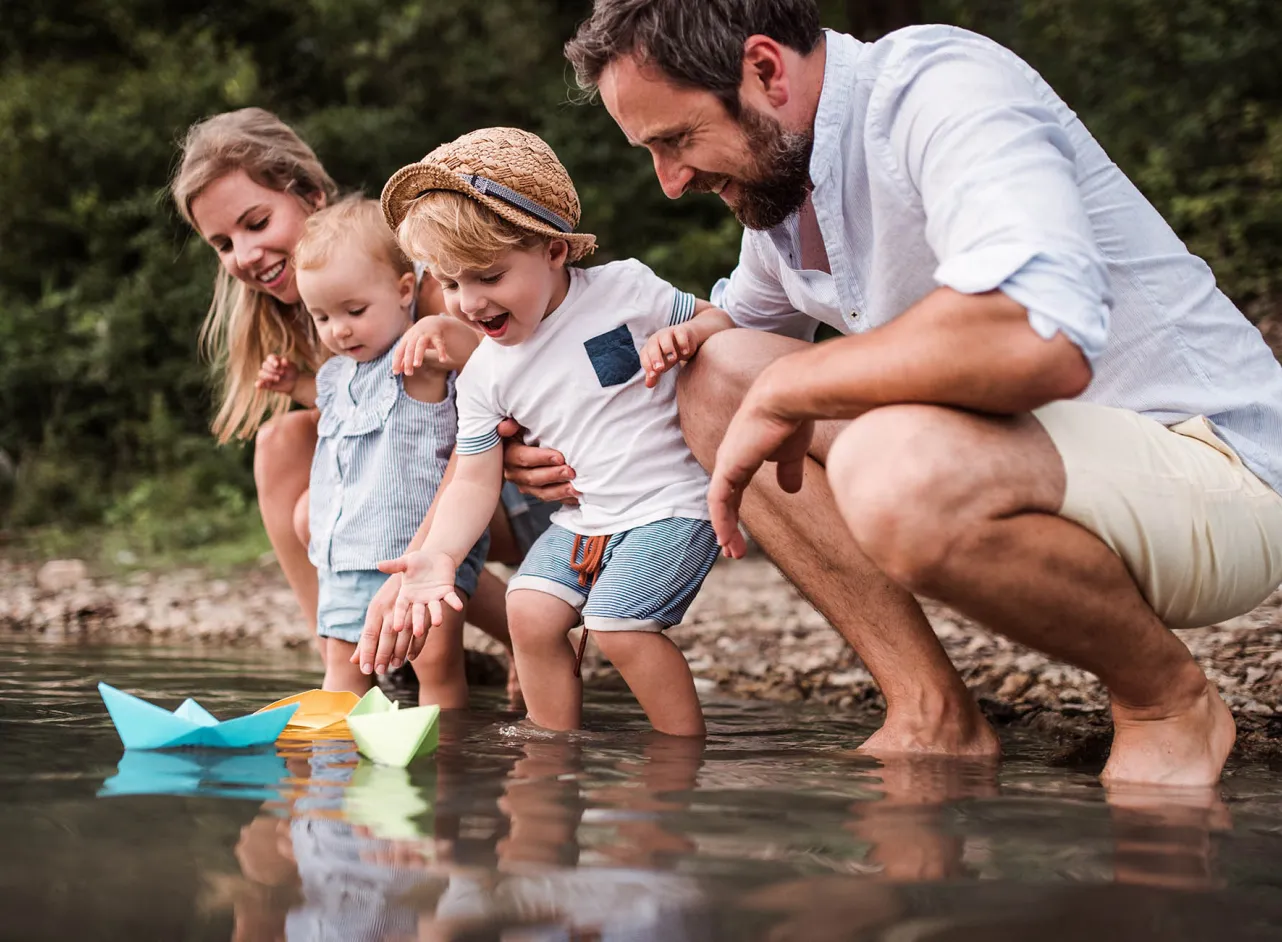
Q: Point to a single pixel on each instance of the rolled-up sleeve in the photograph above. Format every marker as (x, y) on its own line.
(753, 296)
(963, 130)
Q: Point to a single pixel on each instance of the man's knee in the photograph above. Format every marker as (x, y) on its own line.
(894, 492)
(711, 386)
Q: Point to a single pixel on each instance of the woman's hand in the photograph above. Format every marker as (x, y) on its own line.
(381, 649)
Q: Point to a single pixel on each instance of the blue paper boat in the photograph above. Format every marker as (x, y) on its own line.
(144, 725)
(250, 775)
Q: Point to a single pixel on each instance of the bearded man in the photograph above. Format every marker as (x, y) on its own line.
(1044, 413)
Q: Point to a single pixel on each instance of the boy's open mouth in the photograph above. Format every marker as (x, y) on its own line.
(494, 326)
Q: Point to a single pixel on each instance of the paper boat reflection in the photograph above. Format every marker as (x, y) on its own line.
(144, 725)
(390, 735)
(385, 802)
(249, 775)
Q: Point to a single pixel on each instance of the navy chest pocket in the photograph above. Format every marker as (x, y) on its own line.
(614, 356)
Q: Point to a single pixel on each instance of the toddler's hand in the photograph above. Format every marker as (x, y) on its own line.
(426, 583)
(431, 336)
(667, 348)
(277, 375)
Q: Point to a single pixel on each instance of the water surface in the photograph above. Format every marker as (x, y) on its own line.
(771, 830)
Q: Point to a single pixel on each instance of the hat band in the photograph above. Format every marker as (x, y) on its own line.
(488, 187)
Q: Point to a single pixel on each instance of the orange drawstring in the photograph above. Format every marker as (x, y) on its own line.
(588, 568)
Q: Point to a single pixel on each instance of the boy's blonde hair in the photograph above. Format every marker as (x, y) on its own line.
(352, 223)
(243, 325)
(454, 233)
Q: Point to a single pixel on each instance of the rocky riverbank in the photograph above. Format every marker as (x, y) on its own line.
(748, 634)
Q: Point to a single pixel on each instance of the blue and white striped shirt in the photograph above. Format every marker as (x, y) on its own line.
(941, 158)
(379, 460)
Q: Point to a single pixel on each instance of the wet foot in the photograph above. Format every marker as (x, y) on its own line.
(972, 738)
(1185, 748)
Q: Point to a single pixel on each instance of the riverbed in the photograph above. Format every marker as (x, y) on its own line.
(773, 829)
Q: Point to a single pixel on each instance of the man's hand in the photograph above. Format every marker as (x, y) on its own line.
(277, 375)
(539, 472)
(380, 648)
(428, 581)
(757, 433)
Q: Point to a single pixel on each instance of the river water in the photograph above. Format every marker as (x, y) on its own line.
(771, 830)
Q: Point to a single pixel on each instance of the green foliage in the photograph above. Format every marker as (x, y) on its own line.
(102, 289)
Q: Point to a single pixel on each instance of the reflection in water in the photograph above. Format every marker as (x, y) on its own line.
(771, 830)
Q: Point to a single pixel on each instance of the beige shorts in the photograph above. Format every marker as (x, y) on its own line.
(1200, 534)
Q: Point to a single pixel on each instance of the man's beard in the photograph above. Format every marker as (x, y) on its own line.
(780, 172)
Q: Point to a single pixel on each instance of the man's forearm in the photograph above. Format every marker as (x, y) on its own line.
(968, 351)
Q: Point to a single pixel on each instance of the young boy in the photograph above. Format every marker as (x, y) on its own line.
(493, 213)
(383, 440)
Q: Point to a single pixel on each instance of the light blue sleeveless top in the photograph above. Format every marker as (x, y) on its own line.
(379, 460)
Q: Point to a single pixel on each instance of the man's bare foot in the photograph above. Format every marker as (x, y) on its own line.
(1185, 747)
(967, 735)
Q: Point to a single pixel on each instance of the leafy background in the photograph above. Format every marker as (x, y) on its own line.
(104, 405)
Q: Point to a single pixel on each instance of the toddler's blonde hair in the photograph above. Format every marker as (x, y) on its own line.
(455, 233)
(353, 223)
(243, 325)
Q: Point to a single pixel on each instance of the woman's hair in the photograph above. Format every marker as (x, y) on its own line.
(243, 326)
(352, 223)
(454, 232)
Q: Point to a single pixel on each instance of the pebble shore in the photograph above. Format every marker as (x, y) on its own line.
(749, 634)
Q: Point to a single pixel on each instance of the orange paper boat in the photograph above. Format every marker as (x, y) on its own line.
(321, 714)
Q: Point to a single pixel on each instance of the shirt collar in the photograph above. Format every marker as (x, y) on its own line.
(841, 57)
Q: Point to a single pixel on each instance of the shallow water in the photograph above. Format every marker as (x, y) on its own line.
(771, 830)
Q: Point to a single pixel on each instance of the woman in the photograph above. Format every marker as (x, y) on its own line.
(246, 183)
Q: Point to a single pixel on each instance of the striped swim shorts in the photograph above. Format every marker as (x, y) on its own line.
(648, 576)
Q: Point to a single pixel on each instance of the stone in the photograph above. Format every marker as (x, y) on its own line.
(60, 575)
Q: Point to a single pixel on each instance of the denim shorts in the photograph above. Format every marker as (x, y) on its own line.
(649, 574)
(527, 516)
(344, 597)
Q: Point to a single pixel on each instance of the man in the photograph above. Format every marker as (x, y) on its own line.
(1014, 425)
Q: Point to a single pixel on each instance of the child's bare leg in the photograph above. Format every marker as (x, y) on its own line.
(439, 666)
(545, 658)
(657, 674)
(488, 611)
(340, 673)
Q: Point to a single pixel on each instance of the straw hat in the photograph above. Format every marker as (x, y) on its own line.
(512, 172)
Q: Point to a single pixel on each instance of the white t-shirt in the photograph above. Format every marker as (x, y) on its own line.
(576, 385)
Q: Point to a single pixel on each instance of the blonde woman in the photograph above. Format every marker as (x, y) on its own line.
(246, 183)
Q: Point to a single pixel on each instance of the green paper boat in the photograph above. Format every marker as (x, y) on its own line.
(390, 735)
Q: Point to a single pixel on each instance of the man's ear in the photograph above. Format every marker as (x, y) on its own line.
(765, 71)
